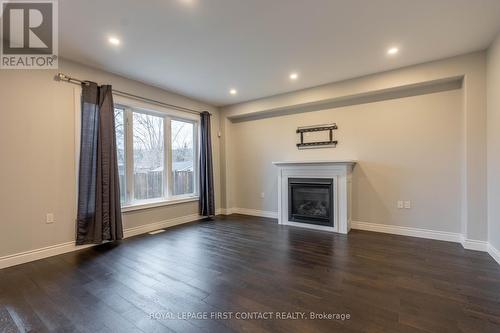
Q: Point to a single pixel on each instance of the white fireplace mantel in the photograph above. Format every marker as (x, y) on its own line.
(312, 163)
(338, 170)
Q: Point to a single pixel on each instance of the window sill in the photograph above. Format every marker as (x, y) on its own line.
(154, 204)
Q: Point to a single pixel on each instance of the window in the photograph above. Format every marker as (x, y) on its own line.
(148, 155)
(157, 154)
(182, 157)
(120, 150)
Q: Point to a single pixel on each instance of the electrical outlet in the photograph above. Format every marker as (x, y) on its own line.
(400, 204)
(50, 218)
(407, 204)
(262, 195)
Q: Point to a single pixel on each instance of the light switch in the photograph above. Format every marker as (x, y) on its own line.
(400, 204)
(407, 204)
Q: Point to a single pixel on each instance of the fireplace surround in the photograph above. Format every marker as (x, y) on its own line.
(315, 194)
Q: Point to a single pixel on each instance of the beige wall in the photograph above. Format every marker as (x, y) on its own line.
(458, 151)
(493, 82)
(37, 135)
(408, 149)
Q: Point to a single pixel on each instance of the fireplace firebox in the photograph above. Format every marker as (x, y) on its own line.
(310, 200)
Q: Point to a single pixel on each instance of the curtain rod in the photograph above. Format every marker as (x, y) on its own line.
(66, 78)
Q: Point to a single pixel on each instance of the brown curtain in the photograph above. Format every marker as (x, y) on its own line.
(99, 212)
(207, 201)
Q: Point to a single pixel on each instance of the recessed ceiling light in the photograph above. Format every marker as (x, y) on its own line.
(114, 41)
(294, 76)
(392, 51)
(233, 91)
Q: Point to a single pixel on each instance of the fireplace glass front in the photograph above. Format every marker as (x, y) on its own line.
(310, 200)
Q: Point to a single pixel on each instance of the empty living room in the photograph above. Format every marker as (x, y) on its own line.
(250, 166)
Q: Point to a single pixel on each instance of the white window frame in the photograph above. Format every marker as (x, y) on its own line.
(131, 105)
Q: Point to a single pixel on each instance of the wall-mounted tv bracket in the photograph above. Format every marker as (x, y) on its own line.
(330, 142)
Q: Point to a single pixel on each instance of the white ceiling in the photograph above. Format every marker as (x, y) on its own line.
(202, 48)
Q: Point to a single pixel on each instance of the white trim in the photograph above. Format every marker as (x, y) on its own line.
(49, 251)
(128, 119)
(160, 225)
(494, 253)
(44, 252)
(468, 244)
(253, 212)
(338, 171)
(375, 227)
(350, 163)
(408, 231)
(130, 107)
(153, 204)
(151, 108)
(53, 250)
(168, 182)
(197, 156)
(225, 211)
(476, 245)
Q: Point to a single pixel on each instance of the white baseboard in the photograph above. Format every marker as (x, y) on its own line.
(408, 231)
(384, 228)
(476, 245)
(160, 225)
(225, 211)
(49, 251)
(45, 252)
(254, 212)
(469, 244)
(494, 253)
(53, 250)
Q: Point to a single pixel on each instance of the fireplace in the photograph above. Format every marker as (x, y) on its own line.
(315, 194)
(310, 200)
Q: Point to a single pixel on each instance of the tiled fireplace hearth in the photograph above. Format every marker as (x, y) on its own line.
(315, 194)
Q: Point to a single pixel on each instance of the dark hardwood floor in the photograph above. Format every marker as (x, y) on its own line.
(243, 266)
